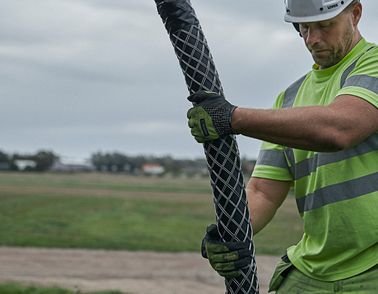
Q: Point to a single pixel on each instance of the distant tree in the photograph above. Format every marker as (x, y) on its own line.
(108, 162)
(136, 162)
(4, 157)
(119, 161)
(5, 163)
(112, 162)
(170, 164)
(98, 161)
(44, 160)
(12, 159)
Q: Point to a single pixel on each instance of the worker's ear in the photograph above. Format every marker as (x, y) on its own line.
(357, 12)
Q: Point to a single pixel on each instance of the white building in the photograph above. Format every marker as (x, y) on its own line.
(153, 169)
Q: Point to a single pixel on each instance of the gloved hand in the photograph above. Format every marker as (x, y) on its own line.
(226, 258)
(211, 116)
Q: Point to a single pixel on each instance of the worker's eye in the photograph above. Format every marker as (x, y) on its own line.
(325, 24)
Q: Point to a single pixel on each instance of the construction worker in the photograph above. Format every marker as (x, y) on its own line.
(321, 138)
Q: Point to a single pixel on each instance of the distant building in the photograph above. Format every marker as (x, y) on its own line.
(25, 164)
(153, 169)
(59, 166)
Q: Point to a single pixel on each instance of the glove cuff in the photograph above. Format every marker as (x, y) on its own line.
(221, 117)
(232, 130)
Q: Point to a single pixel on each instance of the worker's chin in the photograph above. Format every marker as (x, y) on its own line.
(323, 61)
(326, 58)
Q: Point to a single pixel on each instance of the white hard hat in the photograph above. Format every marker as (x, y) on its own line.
(298, 11)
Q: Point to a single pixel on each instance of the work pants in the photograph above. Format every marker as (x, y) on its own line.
(294, 282)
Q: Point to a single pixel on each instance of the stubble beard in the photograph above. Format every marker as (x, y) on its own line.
(334, 55)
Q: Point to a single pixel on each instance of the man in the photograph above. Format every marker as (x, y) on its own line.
(322, 138)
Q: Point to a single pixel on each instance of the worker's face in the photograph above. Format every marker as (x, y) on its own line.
(330, 40)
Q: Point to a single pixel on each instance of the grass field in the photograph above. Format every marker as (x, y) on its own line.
(120, 212)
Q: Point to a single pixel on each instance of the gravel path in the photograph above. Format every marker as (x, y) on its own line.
(130, 272)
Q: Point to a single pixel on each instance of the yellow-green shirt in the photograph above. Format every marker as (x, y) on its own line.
(336, 192)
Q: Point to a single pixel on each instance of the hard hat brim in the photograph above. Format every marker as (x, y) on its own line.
(312, 18)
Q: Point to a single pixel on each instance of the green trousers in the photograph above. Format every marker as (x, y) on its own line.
(288, 280)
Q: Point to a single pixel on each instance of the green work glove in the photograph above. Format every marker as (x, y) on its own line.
(226, 258)
(210, 118)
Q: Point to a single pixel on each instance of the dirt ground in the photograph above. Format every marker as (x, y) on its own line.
(130, 272)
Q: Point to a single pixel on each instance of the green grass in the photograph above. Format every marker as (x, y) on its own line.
(101, 182)
(15, 288)
(102, 211)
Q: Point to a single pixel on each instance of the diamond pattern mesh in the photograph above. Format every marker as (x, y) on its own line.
(195, 60)
(231, 205)
(222, 155)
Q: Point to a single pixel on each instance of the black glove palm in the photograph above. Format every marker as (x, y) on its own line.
(226, 258)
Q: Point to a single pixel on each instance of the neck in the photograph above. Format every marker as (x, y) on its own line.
(356, 38)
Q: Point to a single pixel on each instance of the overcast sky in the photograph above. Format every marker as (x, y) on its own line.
(80, 76)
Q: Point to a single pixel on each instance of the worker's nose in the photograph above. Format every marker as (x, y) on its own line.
(312, 37)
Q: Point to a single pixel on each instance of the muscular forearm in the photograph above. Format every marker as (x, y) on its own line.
(340, 125)
(311, 128)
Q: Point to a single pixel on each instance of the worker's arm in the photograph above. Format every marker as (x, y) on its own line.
(340, 125)
(264, 198)
(228, 258)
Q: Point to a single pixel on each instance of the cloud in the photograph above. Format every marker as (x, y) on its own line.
(82, 75)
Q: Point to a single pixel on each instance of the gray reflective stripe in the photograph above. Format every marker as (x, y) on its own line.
(309, 165)
(350, 68)
(347, 72)
(272, 158)
(289, 152)
(363, 81)
(339, 192)
(292, 92)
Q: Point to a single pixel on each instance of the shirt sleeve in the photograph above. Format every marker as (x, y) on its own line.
(272, 162)
(363, 80)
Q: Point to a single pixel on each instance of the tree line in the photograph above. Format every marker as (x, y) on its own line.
(118, 162)
(42, 160)
(114, 162)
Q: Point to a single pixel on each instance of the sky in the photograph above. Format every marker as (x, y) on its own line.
(83, 76)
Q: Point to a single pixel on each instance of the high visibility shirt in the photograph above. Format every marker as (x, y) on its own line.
(336, 192)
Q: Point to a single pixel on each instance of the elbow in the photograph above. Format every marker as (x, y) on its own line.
(337, 141)
(343, 143)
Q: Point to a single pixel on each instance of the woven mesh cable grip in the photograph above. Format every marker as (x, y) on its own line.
(222, 155)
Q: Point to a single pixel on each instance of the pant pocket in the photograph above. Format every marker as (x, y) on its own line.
(280, 273)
